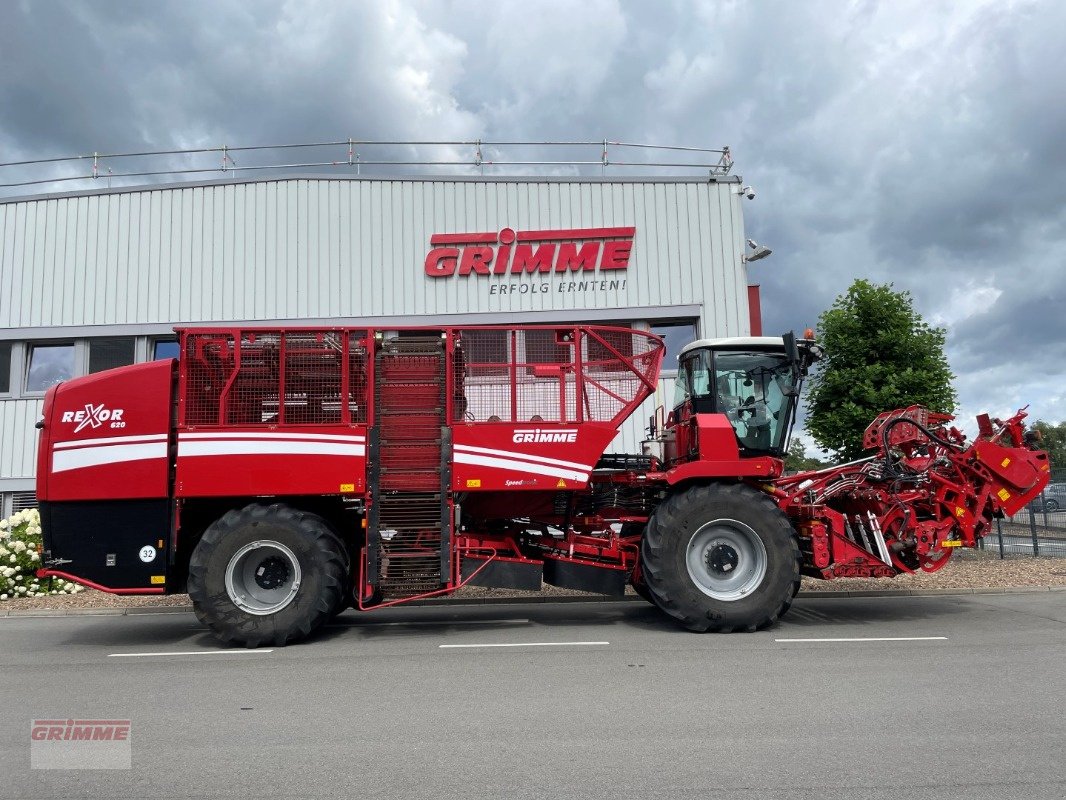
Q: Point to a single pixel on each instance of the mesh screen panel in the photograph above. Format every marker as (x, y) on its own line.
(358, 376)
(320, 377)
(274, 377)
(313, 376)
(563, 374)
(252, 394)
(207, 364)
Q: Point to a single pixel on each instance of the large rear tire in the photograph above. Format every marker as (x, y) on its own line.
(721, 558)
(267, 574)
(344, 599)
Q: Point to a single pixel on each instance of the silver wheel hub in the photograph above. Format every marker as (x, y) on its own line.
(263, 577)
(726, 559)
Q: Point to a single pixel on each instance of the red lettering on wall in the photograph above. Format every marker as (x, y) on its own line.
(529, 252)
(476, 259)
(526, 259)
(440, 263)
(574, 259)
(616, 255)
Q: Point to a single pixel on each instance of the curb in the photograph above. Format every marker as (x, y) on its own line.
(932, 592)
(139, 611)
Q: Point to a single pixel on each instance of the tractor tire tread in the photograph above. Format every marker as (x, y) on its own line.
(673, 592)
(217, 612)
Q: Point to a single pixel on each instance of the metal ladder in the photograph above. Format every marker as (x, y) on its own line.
(409, 525)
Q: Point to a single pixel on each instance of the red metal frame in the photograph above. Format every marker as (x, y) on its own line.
(55, 573)
(643, 365)
(925, 494)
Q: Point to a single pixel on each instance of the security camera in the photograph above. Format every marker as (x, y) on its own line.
(748, 192)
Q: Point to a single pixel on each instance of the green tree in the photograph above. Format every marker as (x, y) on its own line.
(797, 460)
(1054, 442)
(879, 355)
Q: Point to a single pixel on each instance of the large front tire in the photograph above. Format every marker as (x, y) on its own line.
(266, 574)
(721, 558)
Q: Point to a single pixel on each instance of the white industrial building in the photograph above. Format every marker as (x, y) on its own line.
(95, 279)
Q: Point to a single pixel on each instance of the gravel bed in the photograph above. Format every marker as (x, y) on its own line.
(970, 570)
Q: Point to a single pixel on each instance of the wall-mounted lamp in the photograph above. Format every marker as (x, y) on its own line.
(757, 251)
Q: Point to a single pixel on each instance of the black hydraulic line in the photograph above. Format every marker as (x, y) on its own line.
(890, 468)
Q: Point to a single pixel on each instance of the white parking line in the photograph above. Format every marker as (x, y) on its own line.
(191, 653)
(872, 639)
(525, 644)
(416, 623)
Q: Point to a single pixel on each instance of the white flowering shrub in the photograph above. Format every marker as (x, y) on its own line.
(20, 538)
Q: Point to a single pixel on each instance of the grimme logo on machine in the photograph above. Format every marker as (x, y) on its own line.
(564, 252)
(537, 435)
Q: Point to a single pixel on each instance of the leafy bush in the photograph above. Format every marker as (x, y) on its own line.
(20, 537)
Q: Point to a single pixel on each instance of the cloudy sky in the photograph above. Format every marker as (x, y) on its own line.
(919, 143)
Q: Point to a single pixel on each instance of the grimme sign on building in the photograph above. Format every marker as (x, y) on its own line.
(571, 252)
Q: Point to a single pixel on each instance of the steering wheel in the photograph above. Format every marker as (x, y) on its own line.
(757, 410)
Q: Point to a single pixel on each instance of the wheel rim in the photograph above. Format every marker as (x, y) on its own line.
(263, 577)
(726, 559)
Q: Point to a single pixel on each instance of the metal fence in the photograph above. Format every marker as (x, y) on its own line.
(1039, 529)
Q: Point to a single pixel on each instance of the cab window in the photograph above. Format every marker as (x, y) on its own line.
(753, 391)
(693, 378)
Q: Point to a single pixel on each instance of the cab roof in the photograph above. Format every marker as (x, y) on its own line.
(752, 342)
(735, 342)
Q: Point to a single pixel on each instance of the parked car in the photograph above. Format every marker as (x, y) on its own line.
(1053, 498)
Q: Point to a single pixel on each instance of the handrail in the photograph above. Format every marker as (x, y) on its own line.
(353, 154)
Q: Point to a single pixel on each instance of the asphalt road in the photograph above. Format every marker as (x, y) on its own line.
(579, 700)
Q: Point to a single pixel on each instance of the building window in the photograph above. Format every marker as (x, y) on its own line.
(110, 353)
(5, 367)
(165, 348)
(676, 335)
(49, 364)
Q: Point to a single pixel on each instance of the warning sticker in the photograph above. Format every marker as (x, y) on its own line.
(347, 487)
(561, 484)
(951, 543)
(159, 579)
(473, 483)
(1003, 494)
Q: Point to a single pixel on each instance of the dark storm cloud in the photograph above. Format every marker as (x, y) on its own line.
(905, 142)
(112, 76)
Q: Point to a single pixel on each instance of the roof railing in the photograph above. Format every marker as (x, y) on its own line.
(355, 155)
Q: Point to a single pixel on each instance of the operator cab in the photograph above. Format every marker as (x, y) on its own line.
(753, 380)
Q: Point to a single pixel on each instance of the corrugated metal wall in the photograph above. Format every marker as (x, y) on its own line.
(348, 248)
(18, 437)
